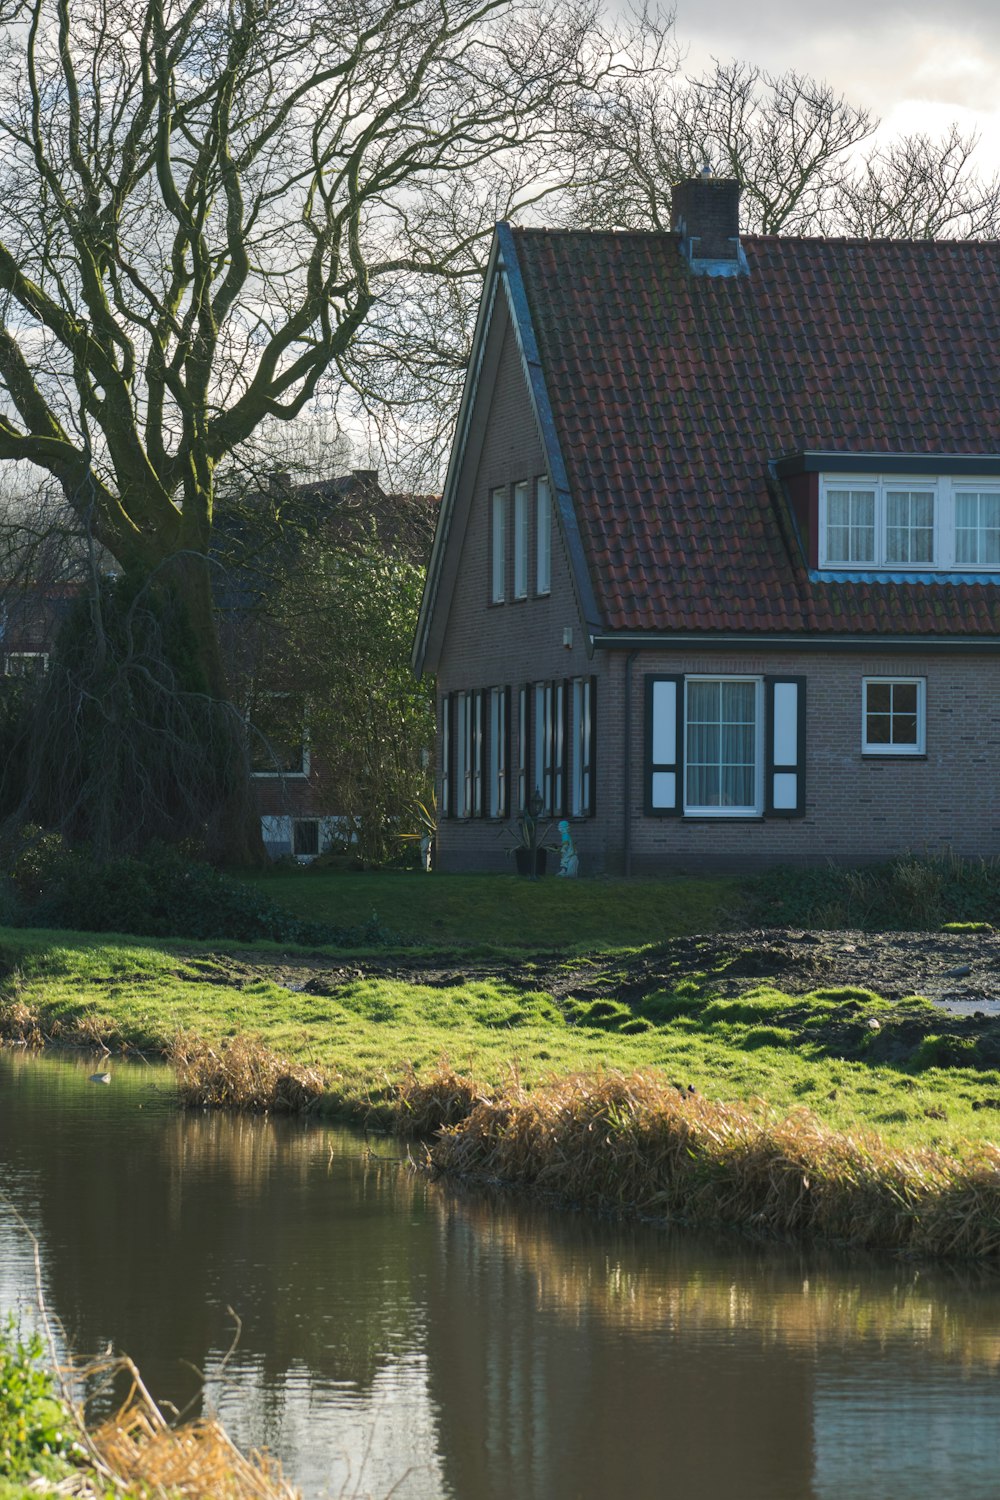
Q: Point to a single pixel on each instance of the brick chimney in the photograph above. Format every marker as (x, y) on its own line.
(705, 211)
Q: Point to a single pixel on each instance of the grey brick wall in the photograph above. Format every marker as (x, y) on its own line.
(858, 808)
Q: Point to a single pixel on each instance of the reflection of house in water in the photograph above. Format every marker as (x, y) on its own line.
(496, 1350)
(539, 1397)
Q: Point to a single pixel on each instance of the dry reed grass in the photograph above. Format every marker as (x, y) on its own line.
(637, 1145)
(425, 1106)
(139, 1452)
(20, 1023)
(242, 1074)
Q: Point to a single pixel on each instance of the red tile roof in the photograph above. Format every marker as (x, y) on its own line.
(672, 392)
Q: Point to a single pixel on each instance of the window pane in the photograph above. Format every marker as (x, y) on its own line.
(520, 541)
(977, 528)
(721, 742)
(893, 715)
(498, 544)
(909, 526)
(543, 539)
(850, 529)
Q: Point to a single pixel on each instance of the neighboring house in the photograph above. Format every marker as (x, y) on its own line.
(717, 572)
(302, 809)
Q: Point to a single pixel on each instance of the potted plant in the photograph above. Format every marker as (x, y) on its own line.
(529, 840)
(425, 815)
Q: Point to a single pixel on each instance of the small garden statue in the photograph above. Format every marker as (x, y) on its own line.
(569, 860)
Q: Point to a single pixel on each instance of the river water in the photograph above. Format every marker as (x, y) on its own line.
(399, 1333)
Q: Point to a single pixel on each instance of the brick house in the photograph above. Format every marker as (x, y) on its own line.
(717, 569)
(302, 808)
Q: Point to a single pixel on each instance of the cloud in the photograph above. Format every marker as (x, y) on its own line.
(917, 64)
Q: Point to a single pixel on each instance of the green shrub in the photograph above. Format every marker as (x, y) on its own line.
(904, 893)
(160, 894)
(34, 1433)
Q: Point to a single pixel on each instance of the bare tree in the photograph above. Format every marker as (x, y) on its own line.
(802, 152)
(917, 188)
(202, 209)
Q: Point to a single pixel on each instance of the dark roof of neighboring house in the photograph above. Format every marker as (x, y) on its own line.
(671, 393)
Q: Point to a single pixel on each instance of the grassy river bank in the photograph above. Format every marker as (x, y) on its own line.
(626, 1065)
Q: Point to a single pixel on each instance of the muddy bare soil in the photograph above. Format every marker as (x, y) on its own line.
(961, 971)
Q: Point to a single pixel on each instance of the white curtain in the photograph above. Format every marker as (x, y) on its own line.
(721, 743)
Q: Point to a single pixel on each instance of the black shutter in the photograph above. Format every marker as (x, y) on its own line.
(785, 738)
(524, 748)
(592, 747)
(664, 759)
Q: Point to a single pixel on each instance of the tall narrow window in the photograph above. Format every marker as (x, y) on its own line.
(520, 541)
(722, 726)
(476, 757)
(544, 735)
(499, 698)
(523, 748)
(909, 526)
(977, 529)
(463, 755)
(581, 735)
(447, 793)
(498, 541)
(559, 747)
(543, 537)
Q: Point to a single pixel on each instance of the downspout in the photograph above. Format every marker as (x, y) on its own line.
(627, 829)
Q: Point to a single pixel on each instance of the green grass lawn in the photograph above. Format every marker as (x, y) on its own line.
(370, 1030)
(505, 910)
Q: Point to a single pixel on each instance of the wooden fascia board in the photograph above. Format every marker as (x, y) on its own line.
(534, 374)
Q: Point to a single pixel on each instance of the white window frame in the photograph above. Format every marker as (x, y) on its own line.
(543, 536)
(498, 545)
(39, 660)
(945, 489)
(920, 748)
(756, 808)
(521, 534)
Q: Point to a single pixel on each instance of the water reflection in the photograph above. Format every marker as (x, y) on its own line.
(395, 1331)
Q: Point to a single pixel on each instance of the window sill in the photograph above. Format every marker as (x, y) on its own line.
(874, 756)
(727, 818)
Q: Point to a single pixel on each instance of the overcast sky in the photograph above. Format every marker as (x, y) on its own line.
(919, 66)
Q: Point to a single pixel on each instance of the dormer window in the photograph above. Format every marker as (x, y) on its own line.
(910, 524)
(977, 528)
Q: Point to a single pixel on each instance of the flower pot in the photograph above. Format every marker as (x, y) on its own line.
(522, 859)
